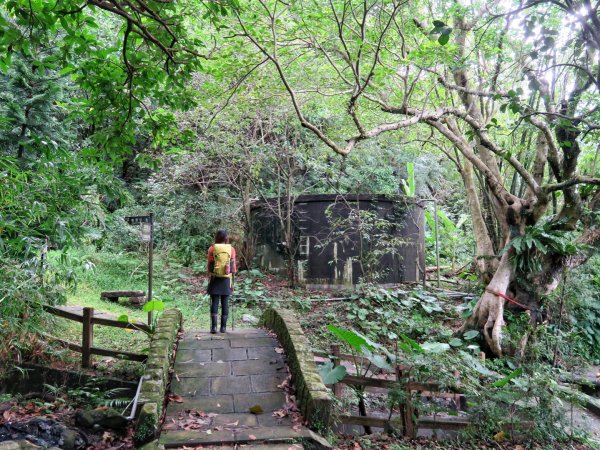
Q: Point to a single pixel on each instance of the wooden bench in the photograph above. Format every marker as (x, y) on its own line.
(136, 298)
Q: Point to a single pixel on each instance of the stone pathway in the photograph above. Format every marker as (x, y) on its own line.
(217, 380)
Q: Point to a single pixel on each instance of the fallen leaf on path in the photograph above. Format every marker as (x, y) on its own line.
(256, 409)
(279, 350)
(252, 437)
(175, 398)
(232, 424)
(208, 431)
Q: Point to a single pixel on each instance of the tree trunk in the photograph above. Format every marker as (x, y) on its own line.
(488, 314)
(484, 247)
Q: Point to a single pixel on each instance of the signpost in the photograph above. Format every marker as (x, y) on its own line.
(147, 235)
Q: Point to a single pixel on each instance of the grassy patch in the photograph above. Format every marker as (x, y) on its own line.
(177, 286)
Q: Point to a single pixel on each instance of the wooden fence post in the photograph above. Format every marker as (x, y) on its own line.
(87, 339)
(406, 410)
(335, 351)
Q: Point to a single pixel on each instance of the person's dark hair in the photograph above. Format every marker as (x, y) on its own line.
(221, 237)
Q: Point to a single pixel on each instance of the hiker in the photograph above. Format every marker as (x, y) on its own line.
(221, 267)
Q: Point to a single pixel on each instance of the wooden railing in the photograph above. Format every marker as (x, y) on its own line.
(88, 319)
(406, 422)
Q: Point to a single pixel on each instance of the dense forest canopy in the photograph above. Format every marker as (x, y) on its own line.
(496, 104)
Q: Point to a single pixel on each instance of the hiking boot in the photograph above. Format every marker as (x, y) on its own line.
(223, 324)
(213, 323)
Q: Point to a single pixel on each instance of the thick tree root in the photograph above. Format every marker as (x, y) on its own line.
(488, 314)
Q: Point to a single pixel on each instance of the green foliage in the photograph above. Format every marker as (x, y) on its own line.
(90, 395)
(355, 340)
(538, 240)
(525, 395)
(443, 30)
(250, 290)
(504, 381)
(31, 107)
(385, 314)
(409, 184)
(330, 374)
(453, 239)
(579, 336)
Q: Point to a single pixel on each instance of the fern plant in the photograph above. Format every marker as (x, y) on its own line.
(538, 240)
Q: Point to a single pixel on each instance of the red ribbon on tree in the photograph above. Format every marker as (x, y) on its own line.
(505, 297)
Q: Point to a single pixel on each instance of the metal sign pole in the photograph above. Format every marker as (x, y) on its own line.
(150, 264)
(146, 224)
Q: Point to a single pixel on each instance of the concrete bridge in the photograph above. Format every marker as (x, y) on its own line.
(254, 387)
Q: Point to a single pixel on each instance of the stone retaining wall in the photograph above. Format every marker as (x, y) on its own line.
(156, 375)
(313, 397)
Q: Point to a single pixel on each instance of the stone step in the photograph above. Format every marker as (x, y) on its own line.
(255, 447)
(259, 436)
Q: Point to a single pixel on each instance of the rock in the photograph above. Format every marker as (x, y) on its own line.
(248, 318)
(18, 445)
(40, 433)
(113, 420)
(153, 445)
(146, 427)
(105, 418)
(88, 418)
(71, 440)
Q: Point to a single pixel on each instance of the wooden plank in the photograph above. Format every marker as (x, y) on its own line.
(60, 312)
(441, 423)
(139, 326)
(99, 318)
(70, 345)
(430, 388)
(444, 423)
(117, 294)
(103, 315)
(119, 354)
(87, 338)
(363, 420)
(353, 380)
(344, 356)
(101, 351)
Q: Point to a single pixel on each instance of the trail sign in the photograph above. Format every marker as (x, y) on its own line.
(146, 235)
(146, 232)
(135, 220)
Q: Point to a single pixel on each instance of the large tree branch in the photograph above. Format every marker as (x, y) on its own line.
(580, 179)
(553, 154)
(144, 30)
(480, 131)
(496, 185)
(305, 123)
